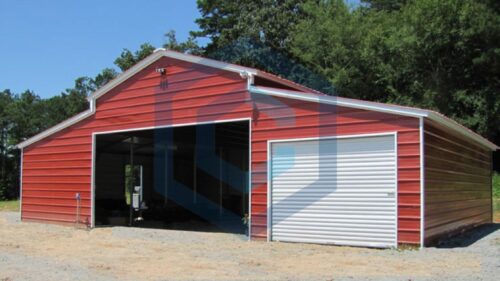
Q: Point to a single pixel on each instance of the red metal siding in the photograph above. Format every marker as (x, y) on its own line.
(57, 167)
(457, 183)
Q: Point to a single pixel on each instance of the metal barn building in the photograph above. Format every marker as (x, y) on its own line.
(184, 141)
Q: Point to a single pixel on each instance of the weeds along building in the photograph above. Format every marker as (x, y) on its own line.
(187, 142)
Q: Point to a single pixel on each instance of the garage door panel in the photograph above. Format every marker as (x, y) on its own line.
(327, 238)
(342, 224)
(339, 191)
(350, 181)
(338, 209)
(337, 186)
(359, 222)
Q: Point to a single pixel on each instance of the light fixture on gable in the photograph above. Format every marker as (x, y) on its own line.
(161, 70)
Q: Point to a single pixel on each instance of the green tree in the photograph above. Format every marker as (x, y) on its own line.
(6, 99)
(331, 40)
(256, 34)
(265, 21)
(387, 5)
(189, 46)
(128, 58)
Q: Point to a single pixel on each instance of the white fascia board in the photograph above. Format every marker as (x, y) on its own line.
(125, 75)
(159, 53)
(339, 101)
(454, 126)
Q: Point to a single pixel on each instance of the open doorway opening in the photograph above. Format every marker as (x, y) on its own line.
(190, 177)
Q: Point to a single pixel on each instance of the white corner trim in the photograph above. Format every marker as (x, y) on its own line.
(92, 183)
(422, 182)
(21, 187)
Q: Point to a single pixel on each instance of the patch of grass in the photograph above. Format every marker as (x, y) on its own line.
(496, 185)
(496, 209)
(12, 205)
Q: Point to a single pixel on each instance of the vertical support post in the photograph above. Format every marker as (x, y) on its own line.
(131, 181)
(21, 186)
(220, 180)
(195, 180)
(245, 188)
(165, 172)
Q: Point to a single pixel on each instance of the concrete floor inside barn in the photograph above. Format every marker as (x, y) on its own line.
(34, 251)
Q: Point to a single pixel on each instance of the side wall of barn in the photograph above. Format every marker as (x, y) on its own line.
(457, 183)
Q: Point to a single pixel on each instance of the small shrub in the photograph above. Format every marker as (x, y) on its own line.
(496, 185)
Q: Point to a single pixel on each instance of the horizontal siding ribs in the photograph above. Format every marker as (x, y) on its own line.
(458, 184)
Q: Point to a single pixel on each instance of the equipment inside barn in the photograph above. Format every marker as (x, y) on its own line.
(192, 177)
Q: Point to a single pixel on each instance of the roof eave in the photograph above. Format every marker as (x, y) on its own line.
(52, 130)
(338, 101)
(454, 126)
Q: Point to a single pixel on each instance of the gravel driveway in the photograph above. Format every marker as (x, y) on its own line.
(31, 251)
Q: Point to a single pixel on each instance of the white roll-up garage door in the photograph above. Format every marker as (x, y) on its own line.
(339, 191)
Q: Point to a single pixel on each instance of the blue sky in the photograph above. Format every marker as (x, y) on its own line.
(46, 45)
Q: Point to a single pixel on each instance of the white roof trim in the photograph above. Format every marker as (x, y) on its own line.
(52, 130)
(456, 127)
(380, 107)
(333, 100)
(159, 53)
(249, 73)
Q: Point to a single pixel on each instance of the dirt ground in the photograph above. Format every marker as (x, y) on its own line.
(32, 251)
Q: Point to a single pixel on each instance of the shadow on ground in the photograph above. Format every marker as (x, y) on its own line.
(468, 237)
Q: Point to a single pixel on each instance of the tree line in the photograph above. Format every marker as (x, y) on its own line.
(436, 54)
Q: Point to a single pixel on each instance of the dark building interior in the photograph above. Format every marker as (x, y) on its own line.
(190, 178)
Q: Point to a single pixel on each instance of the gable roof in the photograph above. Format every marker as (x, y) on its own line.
(300, 93)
